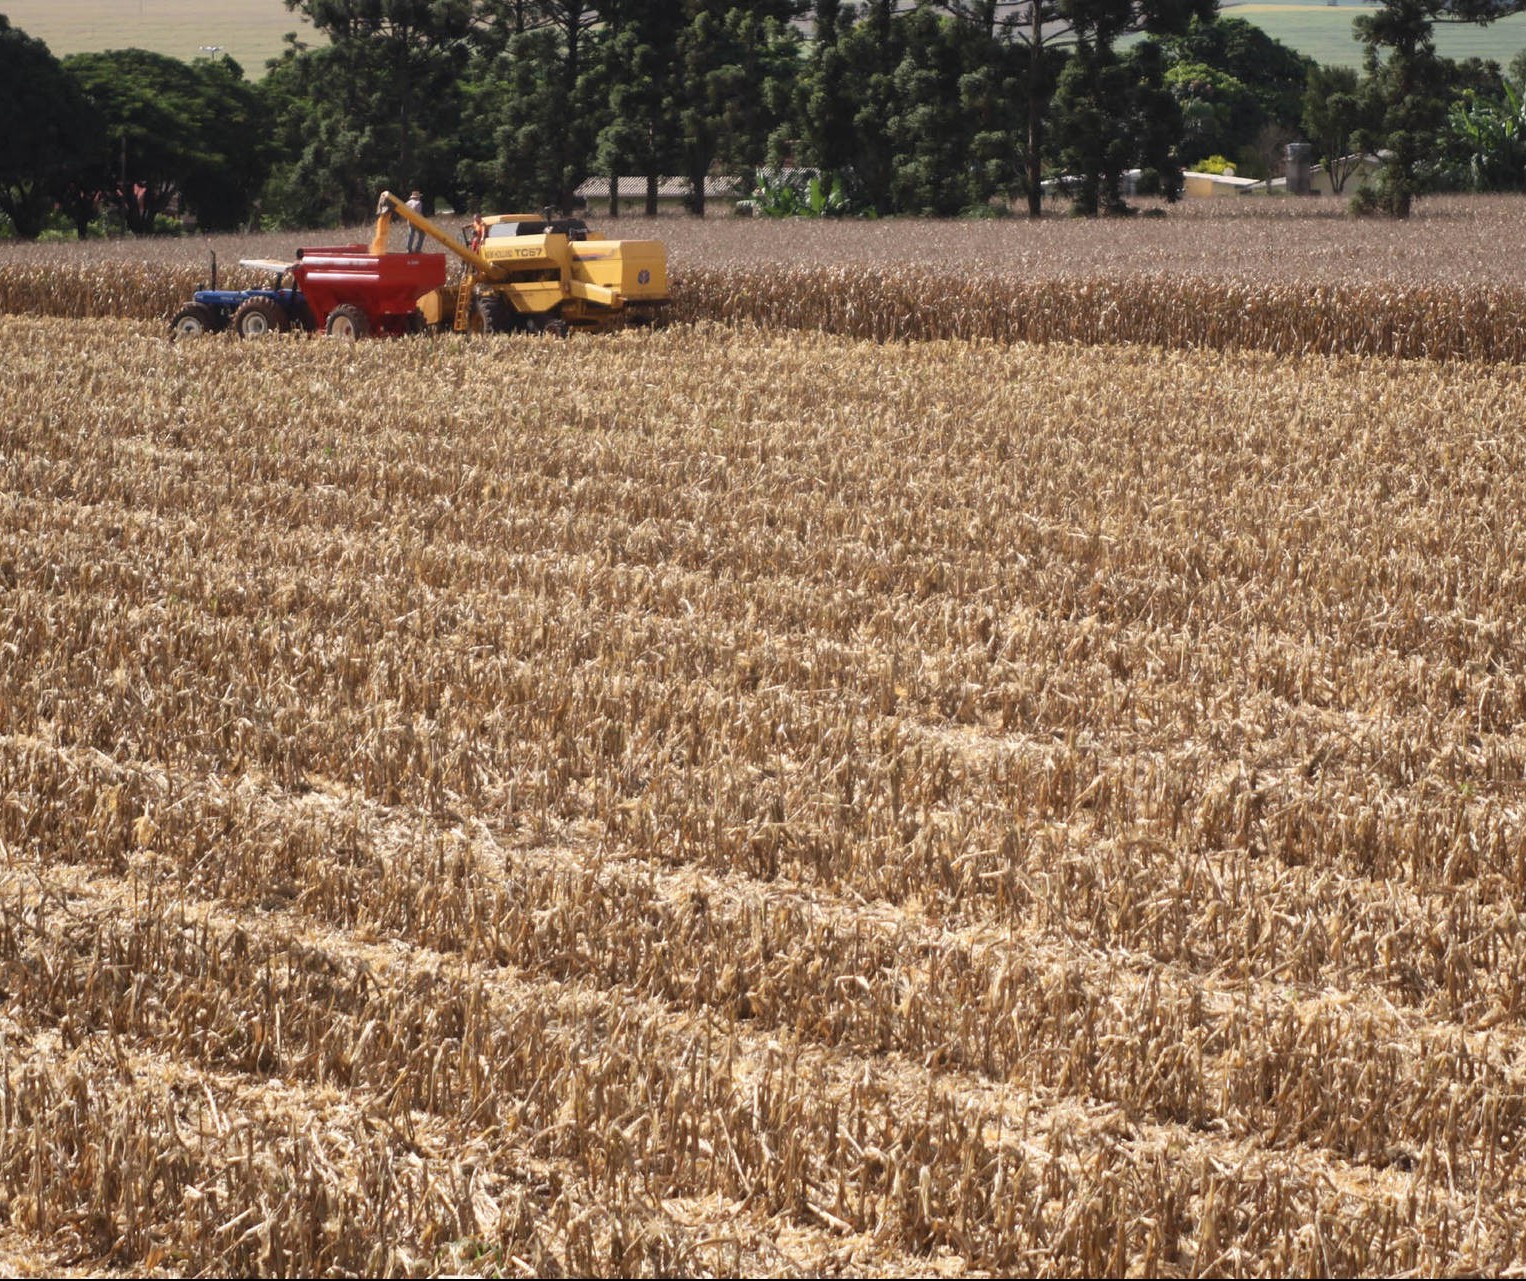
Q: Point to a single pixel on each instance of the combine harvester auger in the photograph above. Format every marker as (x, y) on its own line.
(538, 275)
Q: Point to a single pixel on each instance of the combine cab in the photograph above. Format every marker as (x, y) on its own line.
(346, 291)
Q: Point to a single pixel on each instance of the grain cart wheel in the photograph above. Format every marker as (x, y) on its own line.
(347, 321)
(193, 320)
(494, 312)
(257, 317)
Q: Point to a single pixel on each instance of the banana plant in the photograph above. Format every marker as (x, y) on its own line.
(1492, 136)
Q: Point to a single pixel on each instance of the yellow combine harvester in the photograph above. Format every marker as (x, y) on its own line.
(538, 275)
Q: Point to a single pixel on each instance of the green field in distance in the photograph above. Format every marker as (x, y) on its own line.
(251, 30)
(1323, 31)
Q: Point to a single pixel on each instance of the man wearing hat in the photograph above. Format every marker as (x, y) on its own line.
(415, 236)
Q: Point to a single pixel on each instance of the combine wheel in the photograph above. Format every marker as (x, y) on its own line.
(257, 317)
(192, 320)
(347, 321)
(556, 327)
(494, 312)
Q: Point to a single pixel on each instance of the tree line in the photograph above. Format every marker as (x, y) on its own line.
(939, 107)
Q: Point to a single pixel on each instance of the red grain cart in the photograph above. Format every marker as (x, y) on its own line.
(352, 292)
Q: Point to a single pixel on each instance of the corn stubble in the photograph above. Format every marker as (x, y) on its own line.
(527, 806)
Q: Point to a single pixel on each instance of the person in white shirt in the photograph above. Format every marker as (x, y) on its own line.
(415, 236)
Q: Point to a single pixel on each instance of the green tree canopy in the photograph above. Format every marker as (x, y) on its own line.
(1219, 113)
(51, 133)
(1115, 112)
(172, 130)
(847, 97)
(737, 65)
(517, 152)
(1336, 113)
(379, 105)
(633, 75)
(957, 123)
(1273, 75)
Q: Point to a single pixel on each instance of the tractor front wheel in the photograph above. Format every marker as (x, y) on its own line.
(193, 320)
(347, 321)
(257, 317)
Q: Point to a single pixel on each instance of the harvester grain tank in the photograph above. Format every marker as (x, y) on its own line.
(538, 275)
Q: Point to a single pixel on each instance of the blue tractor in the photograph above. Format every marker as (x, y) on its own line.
(251, 313)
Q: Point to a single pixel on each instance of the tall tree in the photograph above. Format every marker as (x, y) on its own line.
(636, 76)
(515, 149)
(1116, 110)
(847, 97)
(572, 144)
(41, 151)
(381, 101)
(956, 126)
(737, 66)
(1335, 111)
(1411, 85)
(826, 108)
(925, 127)
(1274, 75)
(1042, 32)
(1219, 113)
(331, 160)
(222, 193)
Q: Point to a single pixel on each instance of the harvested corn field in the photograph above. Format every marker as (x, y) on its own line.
(1268, 275)
(712, 801)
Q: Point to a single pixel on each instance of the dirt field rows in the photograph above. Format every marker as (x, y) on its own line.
(719, 800)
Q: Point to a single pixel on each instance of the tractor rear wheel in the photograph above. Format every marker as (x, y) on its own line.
(193, 320)
(494, 312)
(257, 317)
(347, 321)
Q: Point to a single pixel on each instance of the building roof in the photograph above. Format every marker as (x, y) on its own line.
(1224, 179)
(633, 186)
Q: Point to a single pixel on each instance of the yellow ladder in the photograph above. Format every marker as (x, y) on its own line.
(464, 303)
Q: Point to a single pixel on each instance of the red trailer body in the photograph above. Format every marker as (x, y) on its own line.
(347, 287)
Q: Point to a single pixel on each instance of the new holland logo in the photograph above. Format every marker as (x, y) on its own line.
(643, 277)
